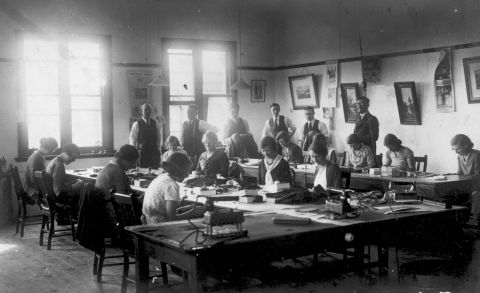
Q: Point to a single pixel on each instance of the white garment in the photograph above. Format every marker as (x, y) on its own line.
(134, 132)
(268, 175)
(321, 178)
(162, 189)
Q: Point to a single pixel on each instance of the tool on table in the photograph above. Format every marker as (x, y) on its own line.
(216, 217)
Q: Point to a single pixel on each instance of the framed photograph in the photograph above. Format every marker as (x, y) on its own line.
(350, 94)
(472, 78)
(408, 106)
(304, 91)
(258, 91)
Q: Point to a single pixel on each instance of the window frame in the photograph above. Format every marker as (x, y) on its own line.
(66, 131)
(200, 99)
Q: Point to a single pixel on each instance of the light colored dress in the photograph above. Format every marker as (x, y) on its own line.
(399, 158)
(161, 189)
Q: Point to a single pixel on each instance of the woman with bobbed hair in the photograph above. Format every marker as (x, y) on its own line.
(291, 152)
(162, 197)
(332, 155)
(327, 174)
(272, 168)
(398, 156)
(213, 161)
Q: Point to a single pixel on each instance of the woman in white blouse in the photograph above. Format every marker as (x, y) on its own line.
(327, 174)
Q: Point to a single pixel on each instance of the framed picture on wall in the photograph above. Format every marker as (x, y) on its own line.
(407, 102)
(258, 91)
(303, 90)
(472, 78)
(350, 94)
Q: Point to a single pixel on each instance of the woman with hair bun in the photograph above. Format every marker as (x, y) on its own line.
(213, 161)
(398, 156)
(162, 197)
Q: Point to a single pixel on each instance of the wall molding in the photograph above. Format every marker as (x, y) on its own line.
(358, 58)
(144, 65)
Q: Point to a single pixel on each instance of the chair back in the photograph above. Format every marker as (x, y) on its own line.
(17, 183)
(420, 160)
(124, 210)
(341, 158)
(346, 175)
(379, 160)
(44, 183)
(306, 157)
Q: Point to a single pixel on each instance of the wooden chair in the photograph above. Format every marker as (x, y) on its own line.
(23, 218)
(49, 208)
(126, 214)
(306, 157)
(379, 160)
(341, 158)
(420, 160)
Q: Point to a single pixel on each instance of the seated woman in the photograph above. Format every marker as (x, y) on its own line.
(291, 152)
(273, 168)
(332, 155)
(213, 161)
(162, 197)
(36, 162)
(327, 173)
(172, 143)
(398, 155)
(358, 154)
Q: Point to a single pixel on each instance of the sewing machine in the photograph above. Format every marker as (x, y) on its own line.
(216, 217)
(338, 206)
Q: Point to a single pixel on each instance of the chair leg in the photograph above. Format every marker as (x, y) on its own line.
(100, 265)
(163, 267)
(51, 232)
(42, 228)
(22, 222)
(95, 263)
(126, 264)
(17, 223)
(72, 226)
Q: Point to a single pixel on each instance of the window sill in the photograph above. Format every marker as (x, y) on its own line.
(82, 156)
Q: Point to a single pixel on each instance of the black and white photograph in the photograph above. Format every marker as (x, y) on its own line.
(142, 150)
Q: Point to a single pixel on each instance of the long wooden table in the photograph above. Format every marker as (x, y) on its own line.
(174, 242)
(427, 187)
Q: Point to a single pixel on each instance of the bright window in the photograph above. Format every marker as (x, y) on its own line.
(66, 94)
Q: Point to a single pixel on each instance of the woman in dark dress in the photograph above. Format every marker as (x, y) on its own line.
(273, 168)
(213, 161)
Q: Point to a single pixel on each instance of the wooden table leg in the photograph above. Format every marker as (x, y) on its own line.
(195, 276)
(141, 266)
(382, 260)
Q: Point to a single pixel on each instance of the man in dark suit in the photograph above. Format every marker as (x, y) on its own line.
(366, 126)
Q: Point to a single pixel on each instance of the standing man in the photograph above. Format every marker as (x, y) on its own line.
(312, 124)
(469, 164)
(192, 133)
(277, 123)
(366, 126)
(145, 136)
(237, 135)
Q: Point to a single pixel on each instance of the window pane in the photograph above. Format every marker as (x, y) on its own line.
(85, 77)
(214, 72)
(86, 103)
(41, 50)
(182, 99)
(178, 114)
(181, 74)
(84, 49)
(42, 126)
(41, 78)
(42, 105)
(87, 128)
(218, 112)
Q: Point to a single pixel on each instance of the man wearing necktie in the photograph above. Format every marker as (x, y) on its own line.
(145, 136)
(277, 123)
(311, 127)
(366, 126)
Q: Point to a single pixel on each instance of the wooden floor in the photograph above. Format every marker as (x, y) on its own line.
(27, 267)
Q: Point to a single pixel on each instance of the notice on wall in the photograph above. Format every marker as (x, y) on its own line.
(372, 67)
(139, 91)
(443, 81)
(332, 84)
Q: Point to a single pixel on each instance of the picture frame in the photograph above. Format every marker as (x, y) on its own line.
(258, 91)
(471, 66)
(303, 90)
(407, 102)
(350, 94)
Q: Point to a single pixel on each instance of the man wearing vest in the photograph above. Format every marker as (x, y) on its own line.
(366, 126)
(312, 126)
(237, 136)
(192, 132)
(277, 123)
(145, 137)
